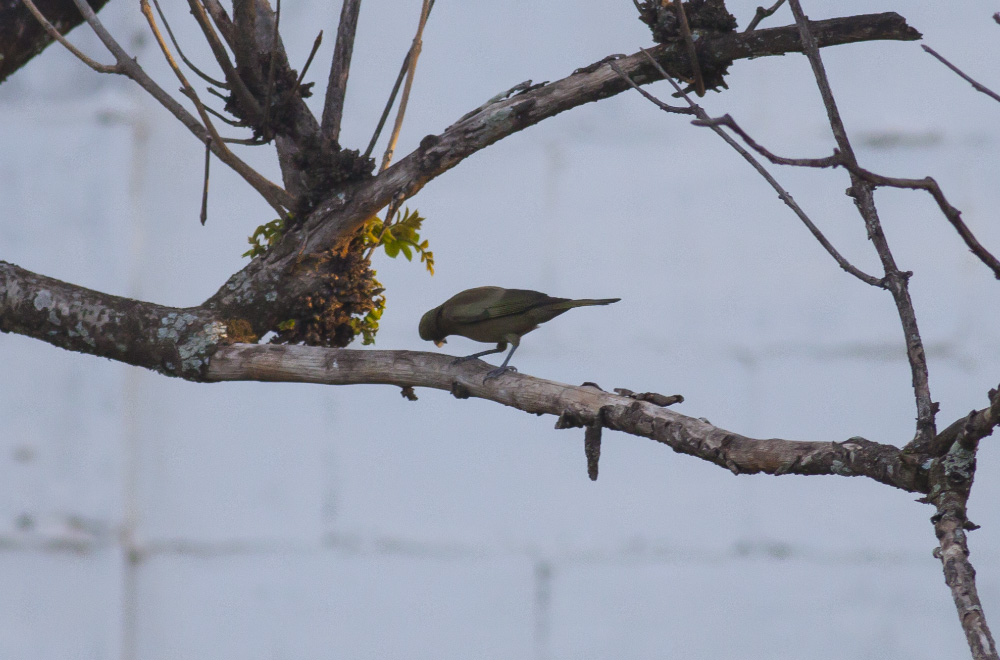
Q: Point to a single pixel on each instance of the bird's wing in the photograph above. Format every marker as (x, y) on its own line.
(490, 302)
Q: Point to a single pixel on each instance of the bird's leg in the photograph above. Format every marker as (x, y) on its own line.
(503, 368)
(501, 347)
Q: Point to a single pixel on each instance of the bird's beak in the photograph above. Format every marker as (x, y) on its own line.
(440, 342)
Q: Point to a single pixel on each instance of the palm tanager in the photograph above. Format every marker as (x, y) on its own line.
(493, 314)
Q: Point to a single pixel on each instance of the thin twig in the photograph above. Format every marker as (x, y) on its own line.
(333, 106)
(704, 120)
(232, 122)
(953, 215)
(762, 14)
(649, 97)
(187, 89)
(388, 105)
(727, 121)
(410, 72)
(204, 190)
(170, 33)
(302, 75)
(863, 193)
(978, 87)
(250, 142)
(272, 193)
(55, 34)
(699, 82)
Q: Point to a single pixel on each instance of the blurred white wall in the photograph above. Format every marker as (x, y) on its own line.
(146, 518)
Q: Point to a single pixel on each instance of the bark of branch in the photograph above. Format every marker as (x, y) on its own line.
(333, 107)
(575, 406)
(21, 36)
(173, 341)
(951, 477)
(950, 526)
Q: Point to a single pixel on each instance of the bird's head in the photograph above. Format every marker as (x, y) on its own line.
(430, 330)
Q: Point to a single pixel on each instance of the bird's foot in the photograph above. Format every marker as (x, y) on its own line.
(496, 373)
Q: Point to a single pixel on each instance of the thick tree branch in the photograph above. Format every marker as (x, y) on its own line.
(173, 341)
(194, 344)
(344, 212)
(950, 478)
(576, 406)
(22, 37)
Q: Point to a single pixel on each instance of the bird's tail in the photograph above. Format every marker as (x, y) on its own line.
(586, 302)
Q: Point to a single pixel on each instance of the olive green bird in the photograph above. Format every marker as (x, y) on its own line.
(493, 314)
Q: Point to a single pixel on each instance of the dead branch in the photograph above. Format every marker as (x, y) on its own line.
(333, 107)
(587, 405)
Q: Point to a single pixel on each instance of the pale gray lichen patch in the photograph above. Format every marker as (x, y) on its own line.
(78, 331)
(837, 466)
(194, 351)
(271, 296)
(43, 300)
(959, 462)
(173, 325)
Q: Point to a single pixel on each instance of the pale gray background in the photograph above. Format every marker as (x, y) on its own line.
(294, 521)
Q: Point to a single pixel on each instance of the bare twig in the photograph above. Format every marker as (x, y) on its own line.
(54, 33)
(302, 74)
(699, 82)
(978, 87)
(333, 106)
(953, 215)
(704, 120)
(170, 33)
(863, 192)
(235, 123)
(204, 190)
(213, 136)
(410, 72)
(388, 105)
(762, 14)
(392, 96)
(649, 97)
(130, 68)
(729, 122)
